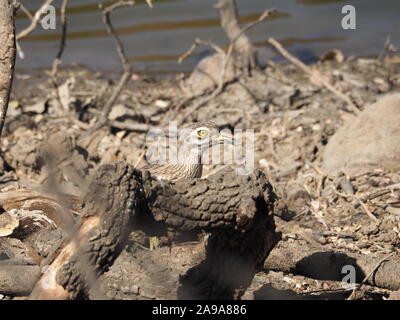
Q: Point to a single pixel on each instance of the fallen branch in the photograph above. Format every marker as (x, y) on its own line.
(376, 193)
(301, 258)
(378, 264)
(312, 74)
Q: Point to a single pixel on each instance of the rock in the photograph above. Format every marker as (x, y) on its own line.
(370, 141)
(7, 224)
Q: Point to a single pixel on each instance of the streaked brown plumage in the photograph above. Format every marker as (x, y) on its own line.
(193, 140)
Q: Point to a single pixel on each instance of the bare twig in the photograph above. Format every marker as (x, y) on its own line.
(377, 193)
(367, 211)
(124, 61)
(34, 21)
(199, 42)
(136, 127)
(25, 10)
(57, 60)
(358, 201)
(312, 74)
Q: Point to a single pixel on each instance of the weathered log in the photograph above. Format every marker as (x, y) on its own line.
(222, 201)
(99, 236)
(232, 259)
(236, 209)
(37, 210)
(298, 257)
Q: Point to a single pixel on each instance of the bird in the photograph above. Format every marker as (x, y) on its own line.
(193, 140)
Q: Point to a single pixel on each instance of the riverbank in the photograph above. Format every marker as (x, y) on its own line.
(293, 117)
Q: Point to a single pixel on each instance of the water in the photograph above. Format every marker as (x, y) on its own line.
(155, 38)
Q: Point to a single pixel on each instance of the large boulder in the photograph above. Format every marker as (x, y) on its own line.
(371, 141)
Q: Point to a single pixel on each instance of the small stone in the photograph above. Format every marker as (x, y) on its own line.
(162, 104)
(135, 289)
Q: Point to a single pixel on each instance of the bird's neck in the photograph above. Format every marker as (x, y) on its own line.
(189, 156)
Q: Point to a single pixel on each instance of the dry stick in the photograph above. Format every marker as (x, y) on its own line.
(38, 14)
(126, 65)
(136, 127)
(34, 22)
(25, 10)
(367, 211)
(377, 193)
(20, 52)
(312, 74)
(197, 43)
(225, 62)
(7, 55)
(57, 60)
(357, 200)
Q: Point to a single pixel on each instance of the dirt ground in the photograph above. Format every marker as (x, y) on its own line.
(293, 118)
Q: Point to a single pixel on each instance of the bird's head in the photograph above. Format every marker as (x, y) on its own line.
(200, 136)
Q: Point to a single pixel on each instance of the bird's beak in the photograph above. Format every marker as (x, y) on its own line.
(224, 139)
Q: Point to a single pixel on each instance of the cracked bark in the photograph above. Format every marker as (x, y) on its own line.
(7, 55)
(237, 210)
(301, 258)
(99, 237)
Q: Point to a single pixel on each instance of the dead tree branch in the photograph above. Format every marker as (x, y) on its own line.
(34, 22)
(225, 62)
(301, 258)
(230, 24)
(314, 75)
(127, 68)
(7, 55)
(57, 60)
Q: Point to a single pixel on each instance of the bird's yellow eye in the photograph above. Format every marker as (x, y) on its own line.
(202, 133)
